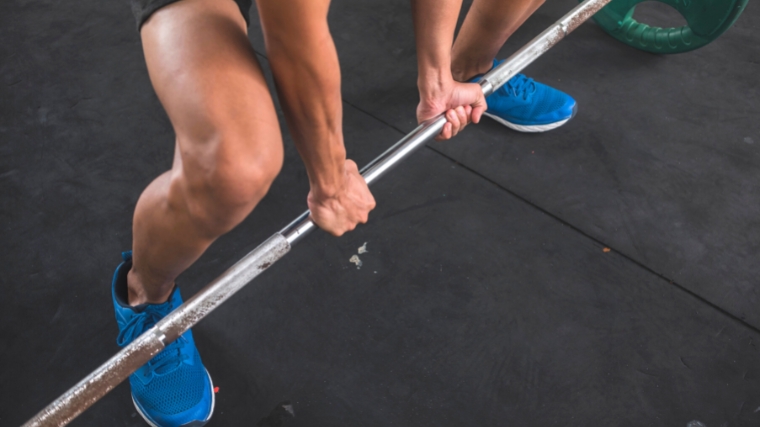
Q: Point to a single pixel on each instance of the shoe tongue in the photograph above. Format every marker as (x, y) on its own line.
(145, 317)
(169, 359)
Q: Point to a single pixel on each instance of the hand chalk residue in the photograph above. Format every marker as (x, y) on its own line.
(355, 259)
(363, 248)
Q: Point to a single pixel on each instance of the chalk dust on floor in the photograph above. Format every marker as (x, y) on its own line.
(355, 259)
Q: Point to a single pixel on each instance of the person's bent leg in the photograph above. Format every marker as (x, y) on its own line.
(521, 104)
(229, 147)
(488, 24)
(228, 151)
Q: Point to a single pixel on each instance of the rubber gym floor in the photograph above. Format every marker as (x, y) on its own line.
(602, 274)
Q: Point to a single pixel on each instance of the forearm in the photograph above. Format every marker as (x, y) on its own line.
(306, 70)
(434, 25)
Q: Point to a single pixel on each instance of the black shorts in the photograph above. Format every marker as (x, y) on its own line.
(142, 9)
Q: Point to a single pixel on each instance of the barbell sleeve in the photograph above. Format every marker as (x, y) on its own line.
(88, 391)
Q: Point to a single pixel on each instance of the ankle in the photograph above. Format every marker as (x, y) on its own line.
(464, 70)
(138, 293)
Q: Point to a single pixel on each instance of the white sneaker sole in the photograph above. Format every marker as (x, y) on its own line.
(530, 128)
(213, 403)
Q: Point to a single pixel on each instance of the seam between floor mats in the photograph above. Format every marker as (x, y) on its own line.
(377, 118)
(594, 239)
(563, 222)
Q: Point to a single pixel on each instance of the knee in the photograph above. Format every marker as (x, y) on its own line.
(220, 190)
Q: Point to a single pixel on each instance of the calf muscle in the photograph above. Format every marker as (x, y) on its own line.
(229, 147)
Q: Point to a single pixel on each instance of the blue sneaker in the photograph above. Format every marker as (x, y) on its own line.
(525, 105)
(173, 389)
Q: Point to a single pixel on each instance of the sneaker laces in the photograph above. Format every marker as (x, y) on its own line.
(171, 357)
(519, 85)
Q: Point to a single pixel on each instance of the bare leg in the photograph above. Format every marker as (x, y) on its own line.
(488, 24)
(228, 142)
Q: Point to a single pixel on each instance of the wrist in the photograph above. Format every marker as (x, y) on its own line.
(330, 181)
(321, 192)
(432, 82)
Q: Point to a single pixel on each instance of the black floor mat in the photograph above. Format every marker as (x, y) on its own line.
(472, 307)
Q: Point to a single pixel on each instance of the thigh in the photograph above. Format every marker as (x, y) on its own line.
(206, 76)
